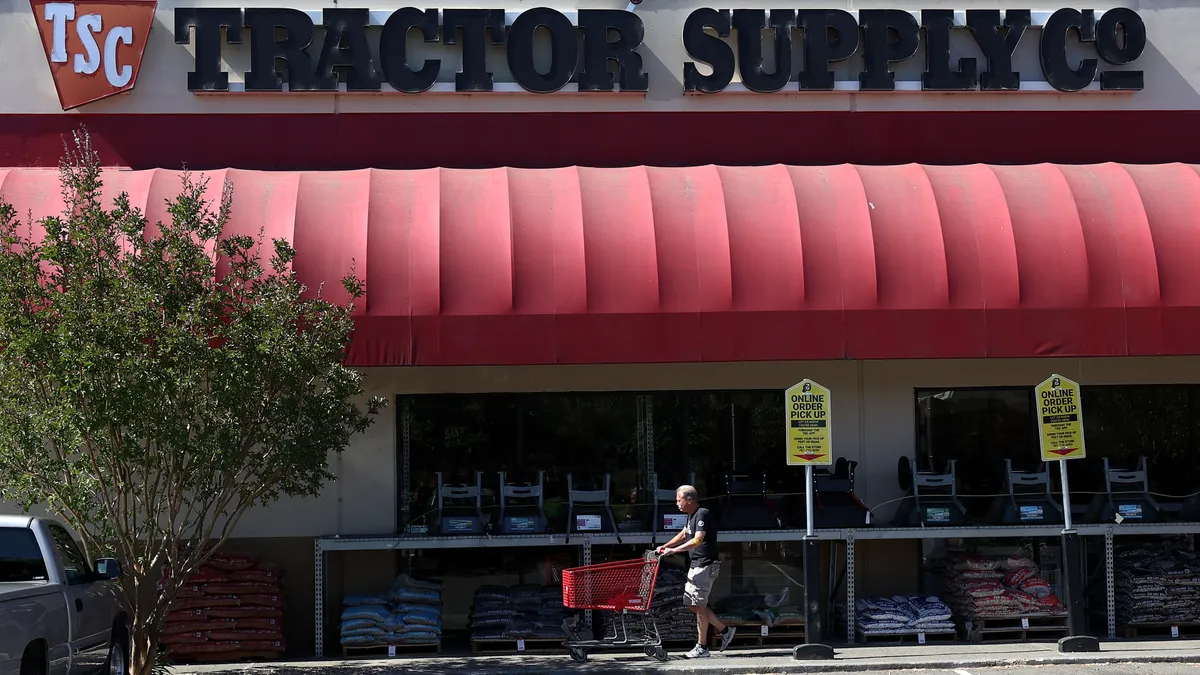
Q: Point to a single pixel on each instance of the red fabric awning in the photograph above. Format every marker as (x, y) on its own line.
(712, 263)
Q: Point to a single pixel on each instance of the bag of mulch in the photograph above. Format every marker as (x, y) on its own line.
(377, 613)
(413, 616)
(1016, 576)
(497, 592)
(979, 575)
(1016, 562)
(983, 589)
(362, 640)
(416, 596)
(972, 562)
(183, 638)
(350, 625)
(232, 562)
(1036, 586)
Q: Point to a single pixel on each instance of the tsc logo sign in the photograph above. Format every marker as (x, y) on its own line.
(95, 47)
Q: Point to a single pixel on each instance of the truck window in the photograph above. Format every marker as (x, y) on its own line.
(74, 564)
(20, 557)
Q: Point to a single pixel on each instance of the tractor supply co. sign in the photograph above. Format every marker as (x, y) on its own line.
(95, 49)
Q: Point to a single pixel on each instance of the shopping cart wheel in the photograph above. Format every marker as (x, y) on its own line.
(660, 653)
(578, 655)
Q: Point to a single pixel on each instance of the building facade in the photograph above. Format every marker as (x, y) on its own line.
(663, 200)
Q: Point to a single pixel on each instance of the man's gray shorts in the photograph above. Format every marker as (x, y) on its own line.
(700, 581)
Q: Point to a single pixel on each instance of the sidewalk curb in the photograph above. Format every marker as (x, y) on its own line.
(772, 666)
(838, 666)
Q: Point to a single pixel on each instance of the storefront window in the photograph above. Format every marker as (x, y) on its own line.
(1159, 422)
(584, 434)
(980, 428)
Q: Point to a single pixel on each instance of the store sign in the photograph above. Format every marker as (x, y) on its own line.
(888, 36)
(347, 58)
(94, 48)
(596, 50)
(1060, 419)
(808, 422)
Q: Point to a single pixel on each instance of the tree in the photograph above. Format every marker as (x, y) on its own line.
(159, 380)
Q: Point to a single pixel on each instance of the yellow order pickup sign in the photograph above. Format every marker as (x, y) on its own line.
(1060, 419)
(806, 414)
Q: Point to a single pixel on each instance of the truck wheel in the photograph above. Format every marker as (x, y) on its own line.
(33, 661)
(118, 654)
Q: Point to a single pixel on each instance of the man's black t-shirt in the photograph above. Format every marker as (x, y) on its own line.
(706, 553)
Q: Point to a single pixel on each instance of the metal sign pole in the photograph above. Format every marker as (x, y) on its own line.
(1072, 564)
(812, 649)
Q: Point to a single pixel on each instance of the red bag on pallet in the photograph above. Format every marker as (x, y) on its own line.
(185, 614)
(262, 600)
(239, 635)
(232, 562)
(205, 648)
(207, 602)
(197, 626)
(258, 624)
(264, 646)
(183, 638)
(245, 613)
(264, 572)
(243, 588)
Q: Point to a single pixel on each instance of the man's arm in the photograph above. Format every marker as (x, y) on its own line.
(674, 540)
(688, 545)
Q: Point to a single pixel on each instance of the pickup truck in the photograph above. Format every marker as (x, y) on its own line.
(59, 614)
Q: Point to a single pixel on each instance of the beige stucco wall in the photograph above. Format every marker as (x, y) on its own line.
(1170, 62)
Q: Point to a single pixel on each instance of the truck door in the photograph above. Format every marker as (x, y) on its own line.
(86, 601)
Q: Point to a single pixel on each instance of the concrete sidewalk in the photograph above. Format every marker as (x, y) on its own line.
(742, 661)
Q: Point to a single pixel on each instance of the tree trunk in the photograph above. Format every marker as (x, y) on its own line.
(143, 648)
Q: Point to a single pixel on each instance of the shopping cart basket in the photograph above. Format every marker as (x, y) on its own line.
(623, 588)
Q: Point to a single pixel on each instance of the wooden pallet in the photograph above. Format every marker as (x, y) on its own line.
(904, 638)
(512, 647)
(224, 657)
(1028, 627)
(382, 652)
(1137, 630)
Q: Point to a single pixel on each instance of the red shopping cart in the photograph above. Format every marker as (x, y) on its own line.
(624, 588)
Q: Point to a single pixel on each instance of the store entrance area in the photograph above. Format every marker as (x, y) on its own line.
(516, 474)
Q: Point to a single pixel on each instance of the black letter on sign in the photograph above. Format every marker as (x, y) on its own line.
(1108, 45)
(564, 50)
(879, 49)
(346, 48)
(1058, 72)
(938, 75)
(474, 24)
(598, 50)
(829, 35)
(265, 50)
(393, 50)
(707, 49)
(749, 24)
(985, 26)
(208, 24)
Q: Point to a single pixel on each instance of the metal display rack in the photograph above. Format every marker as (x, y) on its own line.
(326, 545)
(323, 546)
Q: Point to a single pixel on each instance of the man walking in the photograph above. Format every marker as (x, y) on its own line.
(699, 539)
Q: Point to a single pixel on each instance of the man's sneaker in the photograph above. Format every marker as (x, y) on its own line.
(697, 652)
(727, 637)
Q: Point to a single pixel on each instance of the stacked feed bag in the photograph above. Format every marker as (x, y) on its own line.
(408, 613)
(999, 587)
(233, 605)
(522, 612)
(673, 619)
(1159, 584)
(903, 615)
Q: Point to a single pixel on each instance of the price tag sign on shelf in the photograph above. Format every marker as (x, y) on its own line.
(763, 630)
(920, 638)
(520, 645)
(1024, 622)
(391, 651)
(1174, 631)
